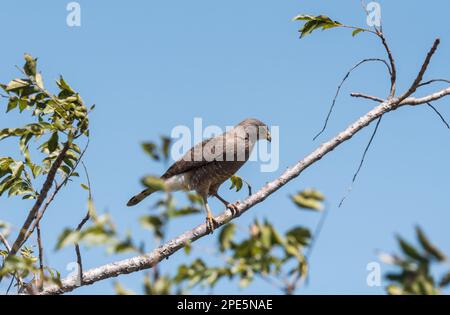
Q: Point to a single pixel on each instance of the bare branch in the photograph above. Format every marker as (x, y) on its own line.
(340, 86)
(433, 81)
(5, 242)
(426, 99)
(369, 97)
(80, 226)
(152, 258)
(439, 114)
(424, 67)
(40, 282)
(361, 162)
(391, 61)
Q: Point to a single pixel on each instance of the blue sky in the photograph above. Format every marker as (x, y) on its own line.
(152, 65)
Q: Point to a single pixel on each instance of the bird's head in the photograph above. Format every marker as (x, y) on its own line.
(256, 126)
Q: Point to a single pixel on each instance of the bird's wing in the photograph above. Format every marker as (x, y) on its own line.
(193, 159)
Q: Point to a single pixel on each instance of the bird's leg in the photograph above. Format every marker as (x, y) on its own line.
(232, 206)
(210, 221)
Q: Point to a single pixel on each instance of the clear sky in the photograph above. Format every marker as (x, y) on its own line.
(152, 65)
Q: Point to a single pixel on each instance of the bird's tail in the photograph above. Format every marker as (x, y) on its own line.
(141, 196)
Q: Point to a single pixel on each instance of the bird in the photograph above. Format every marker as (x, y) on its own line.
(207, 165)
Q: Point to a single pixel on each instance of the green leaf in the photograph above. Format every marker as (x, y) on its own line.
(195, 198)
(154, 183)
(410, 250)
(188, 247)
(65, 87)
(53, 142)
(30, 65)
(5, 133)
(120, 290)
(17, 84)
(226, 236)
(394, 290)
(309, 199)
(236, 182)
(301, 235)
(67, 237)
(85, 187)
(36, 170)
(151, 149)
(183, 212)
(13, 102)
(428, 247)
(315, 22)
(153, 223)
(39, 81)
(165, 146)
(445, 281)
(23, 104)
(17, 168)
(357, 31)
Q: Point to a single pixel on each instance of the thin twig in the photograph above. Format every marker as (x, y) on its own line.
(369, 97)
(80, 226)
(433, 81)
(391, 61)
(361, 162)
(340, 86)
(424, 67)
(5, 242)
(439, 114)
(10, 285)
(40, 282)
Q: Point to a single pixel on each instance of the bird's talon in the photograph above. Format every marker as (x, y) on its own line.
(211, 224)
(233, 207)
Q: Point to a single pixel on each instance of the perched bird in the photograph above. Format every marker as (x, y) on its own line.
(210, 163)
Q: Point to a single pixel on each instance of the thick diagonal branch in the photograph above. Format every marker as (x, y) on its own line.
(149, 260)
(152, 258)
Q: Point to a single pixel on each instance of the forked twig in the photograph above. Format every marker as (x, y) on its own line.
(340, 86)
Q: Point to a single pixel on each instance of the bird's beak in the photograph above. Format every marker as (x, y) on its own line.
(269, 137)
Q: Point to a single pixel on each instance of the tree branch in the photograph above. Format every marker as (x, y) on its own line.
(333, 103)
(40, 281)
(426, 99)
(42, 195)
(5, 242)
(424, 67)
(391, 61)
(369, 97)
(152, 258)
(58, 187)
(149, 260)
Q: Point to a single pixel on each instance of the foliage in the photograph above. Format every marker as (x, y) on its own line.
(415, 274)
(58, 120)
(323, 22)
(309, 199)
(264, 252)
(58, 123)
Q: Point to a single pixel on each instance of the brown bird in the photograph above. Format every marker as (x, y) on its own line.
(210, 163)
